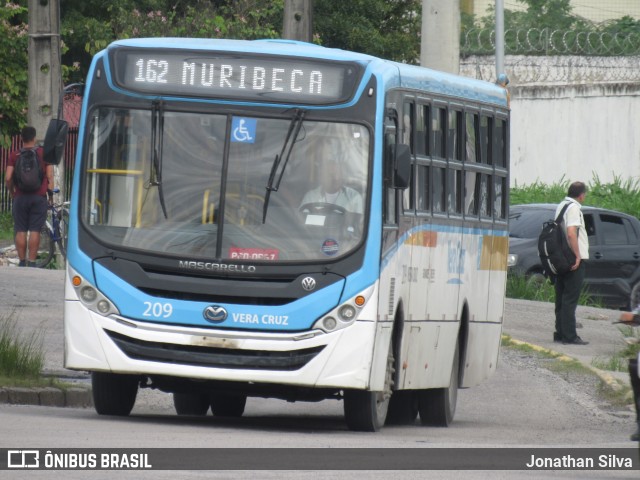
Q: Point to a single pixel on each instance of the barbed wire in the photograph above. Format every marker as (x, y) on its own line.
(545, 41)
(555, 69)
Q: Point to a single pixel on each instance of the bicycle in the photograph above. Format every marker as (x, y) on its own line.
(53, 232)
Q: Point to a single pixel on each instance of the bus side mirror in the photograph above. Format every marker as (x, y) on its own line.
(401, 161)
(55, 140)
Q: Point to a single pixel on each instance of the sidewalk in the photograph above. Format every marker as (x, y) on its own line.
(8, 254)
(535, 323)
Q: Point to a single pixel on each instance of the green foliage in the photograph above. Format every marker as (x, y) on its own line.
(378, 27)
(382, 28)
(524, 288)
(20, 356)
(538, 192)
(6, 226)
(620, 194)
(13, 71)
(619, 361)
(520, 287)
(246, 19)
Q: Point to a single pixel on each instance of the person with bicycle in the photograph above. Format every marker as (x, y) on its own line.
(29, 207)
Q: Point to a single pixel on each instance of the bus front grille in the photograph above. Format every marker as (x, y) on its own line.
(213, 357)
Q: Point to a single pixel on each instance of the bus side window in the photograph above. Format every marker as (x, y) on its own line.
(485, 133)
(389, 215)
(423, 189)
(499, 200)
(438, 122)
(499, 150)
(422, 133)
(454, 135)
(437, 190)
(408, 194)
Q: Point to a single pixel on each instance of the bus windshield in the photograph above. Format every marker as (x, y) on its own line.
(194, 185)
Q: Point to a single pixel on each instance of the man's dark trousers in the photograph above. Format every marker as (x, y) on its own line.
(568, 287)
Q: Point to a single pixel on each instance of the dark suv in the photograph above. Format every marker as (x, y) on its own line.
(613, 268)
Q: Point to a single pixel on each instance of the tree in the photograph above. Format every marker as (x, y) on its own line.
(13, 71)
(385, 28)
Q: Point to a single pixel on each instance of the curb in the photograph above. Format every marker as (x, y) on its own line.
(605, 377)
(47, 396)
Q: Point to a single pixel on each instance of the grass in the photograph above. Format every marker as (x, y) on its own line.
(619, 362)
(620, 195)
(21, 357)
(6, 226)
(525, 289)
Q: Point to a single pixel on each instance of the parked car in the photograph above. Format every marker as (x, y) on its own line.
(613, 269)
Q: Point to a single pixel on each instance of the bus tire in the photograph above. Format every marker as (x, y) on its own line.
(114, 393)
(191, 403)
(227, 404)
(437, 406)
(366, 411)
(403, 408)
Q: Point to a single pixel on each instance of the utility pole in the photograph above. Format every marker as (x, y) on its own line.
(440, 43)
(499, 37)
(298, 20)
(45, 78)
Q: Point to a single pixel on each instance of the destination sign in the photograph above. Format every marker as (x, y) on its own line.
(234, 76)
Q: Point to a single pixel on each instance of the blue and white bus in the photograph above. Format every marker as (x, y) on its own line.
(281, 220)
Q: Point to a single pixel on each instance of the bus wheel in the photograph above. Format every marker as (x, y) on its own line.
(191, 403)
(437, 406)
(114, 394)
(366, 411)
(403, 408)
(227, 404)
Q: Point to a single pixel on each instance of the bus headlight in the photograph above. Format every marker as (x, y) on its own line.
(329, 323)
(345, 314)
(90, 296)
(512, 259)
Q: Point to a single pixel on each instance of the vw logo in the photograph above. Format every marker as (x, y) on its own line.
(215, 313)
(308, 283)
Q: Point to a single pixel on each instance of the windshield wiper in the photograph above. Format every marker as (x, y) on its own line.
(289, 142)
(157, 132)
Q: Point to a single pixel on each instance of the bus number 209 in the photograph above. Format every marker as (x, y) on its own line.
(157, 309)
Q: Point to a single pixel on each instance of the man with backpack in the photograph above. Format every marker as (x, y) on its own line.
(568, 285)
(29, 180)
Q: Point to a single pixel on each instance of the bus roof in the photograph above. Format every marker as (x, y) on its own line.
(393, 74)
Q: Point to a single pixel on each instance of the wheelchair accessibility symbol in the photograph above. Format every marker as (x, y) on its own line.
(243, 130)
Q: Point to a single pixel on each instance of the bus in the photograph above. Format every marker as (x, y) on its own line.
(278, 219)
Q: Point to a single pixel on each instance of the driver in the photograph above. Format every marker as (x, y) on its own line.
(332, 189)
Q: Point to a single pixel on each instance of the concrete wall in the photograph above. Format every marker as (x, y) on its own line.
(571, 117)
(576, 132)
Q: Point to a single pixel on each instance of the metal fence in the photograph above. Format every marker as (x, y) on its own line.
(68, 162)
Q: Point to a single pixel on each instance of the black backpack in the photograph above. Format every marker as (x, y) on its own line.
(553, 247)
(28, 172)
